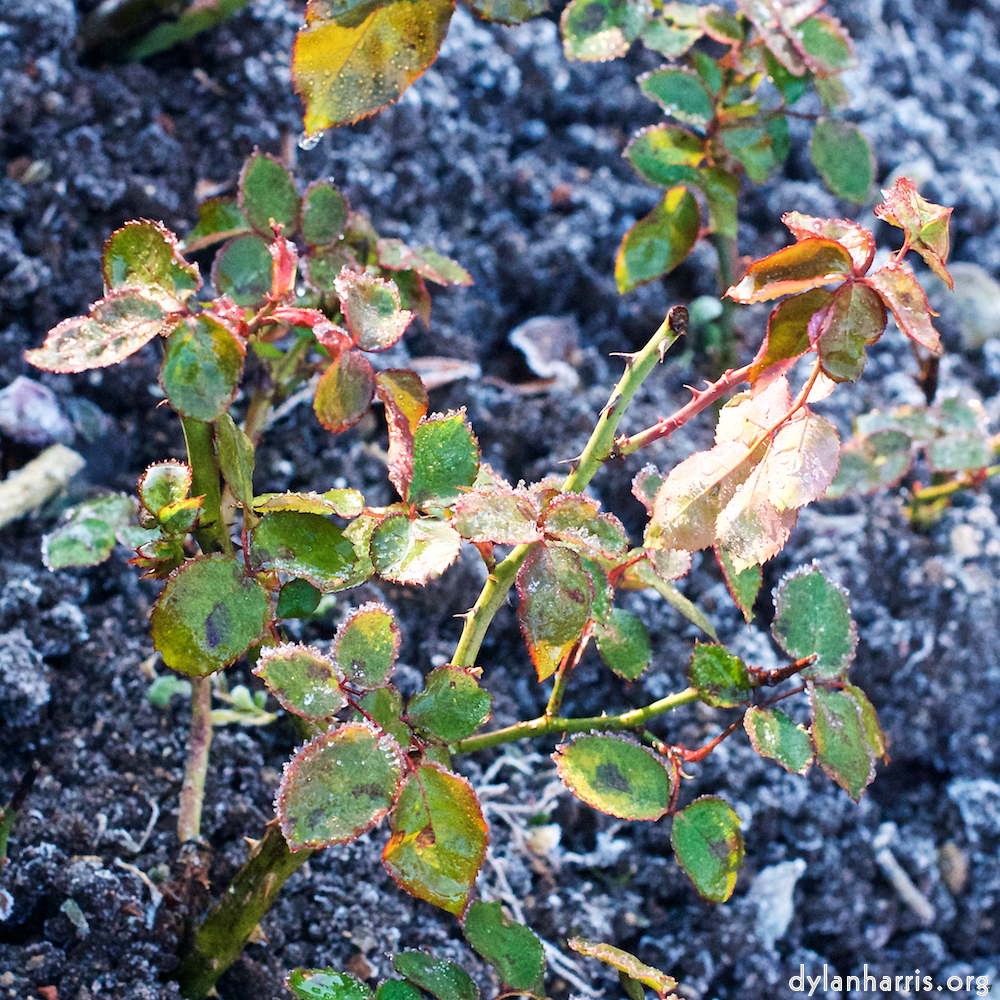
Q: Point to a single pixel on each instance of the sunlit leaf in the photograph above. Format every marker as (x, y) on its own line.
(326, 984)
(857, 240)
(242, 270)
(660, 241)
(576, 520)
(445, 459)
(349, 65)
(179, 517)
(812, 616)
(901, 292)
(345, 502)
(405, 400)
(163, 483)
(772, 21)
(855, 318)
(626, 964)
(87, 534)
(708, 846)
(645, 485)
(413, 551)
(502, 516)
(302, 679)
(303, 545)
(788, 329)
(774, 735)
(843, 158)
(451, 706)
(371, 309)
(345, 392)
(324, 214)
(207, 615)
(599, 30)
(623, 642)
(810, 263)
(616, 775)
(202, 367)
(721, 678)
(118, 325)
(555, 598)
(338, 786)
(145, 256)
(438, 844)
(925, 225)
(841, 741)
(366, 645)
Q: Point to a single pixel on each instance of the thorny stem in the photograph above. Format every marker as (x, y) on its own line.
(546, 725)
(198, 741)
(600, 448)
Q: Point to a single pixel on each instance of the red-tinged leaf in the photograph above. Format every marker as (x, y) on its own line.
(857, 240)
(615, 774)
(345, 503)
(744, 584)
(324, 214)
(695, 492)
(284, 260)
(405, 400)
(773, 22)
(924, 224)
(366, 645)
(801, 461)
(810, 263)
(413, 552)
(395, 255)
(788, 330)
(350, 62)
(555, 594)
(338, 786)
(303, 680)
(118, 325)
(627, 965)
(854, 318)
(267, 192)
(413, 296)
(345, 392)
(145, 256)
(668, 564)
(901, 292)
(824, 44)
(659, 242)
(503, 516)
(748, 415)
(576, 520)
(839, 735)
(334, 339)
(439, 838)
(371, 309)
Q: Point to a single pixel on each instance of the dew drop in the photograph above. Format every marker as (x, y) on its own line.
(308, 142)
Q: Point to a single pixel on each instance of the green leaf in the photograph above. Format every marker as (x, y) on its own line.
(626, 964)
(721, 192)
(508, 11)
(303, 545)
(303, 680)
(555, 595)
(395, 255)
(345, 392)
(208, 614)
(338, 786)
(901, 292)
(118, 325)
(511, 948)
(397, 989)
(681, 94)
(219, 219)
(790, 86)
(297, 599)
(202, 367)
(754, 148)
(179, 517)
(164, 483)
(616, 775)
(366, 645)
(575, 519)
(504, 516)
(385, 706)
(876, 738)
(709, 847)
(843, 158)
(437, 847)
(445, 460)
(721, 678)
(371, 310)
(164, 688)
(807, 264)
(840, 737)
(344, 503)
(788, 329)
(145, 256)
(812, 616)
(242, 270)
(744, 584)
(413, 552)
(871, 463)
(349, 65)
(774, 735)
(324, 214)
(267, 191)
(623, 642)
(87, 534)
(441, 979)
(666, 155)
(326, 984)
(599, 30)
(236, 458)
(451, 706)
(670, 40)
(825, 45)
(660, 241)
(854, 318)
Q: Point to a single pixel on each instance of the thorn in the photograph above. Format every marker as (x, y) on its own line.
(611, 405)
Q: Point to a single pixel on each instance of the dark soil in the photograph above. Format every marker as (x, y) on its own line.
(507, 158)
